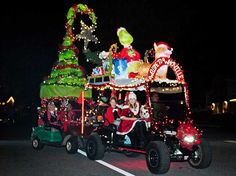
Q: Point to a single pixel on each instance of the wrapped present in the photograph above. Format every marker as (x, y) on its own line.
(98, 71)
(120, 68)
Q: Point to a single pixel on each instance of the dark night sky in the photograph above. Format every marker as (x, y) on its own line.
(197, 31)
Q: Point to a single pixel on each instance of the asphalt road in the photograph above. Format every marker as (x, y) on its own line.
(19, 159)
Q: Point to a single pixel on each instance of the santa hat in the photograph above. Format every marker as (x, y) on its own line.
(132, 95)
(163, 43)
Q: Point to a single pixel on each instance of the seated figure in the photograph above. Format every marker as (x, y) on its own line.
(130, 120)
(102, 108)
(159, 109)
(68, 117)
(112, 115)
(50, 116)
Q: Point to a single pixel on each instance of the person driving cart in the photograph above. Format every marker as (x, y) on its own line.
(130, 119)
(112, 115)
(159, 109)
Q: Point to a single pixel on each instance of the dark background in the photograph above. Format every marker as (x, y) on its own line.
(198, 32)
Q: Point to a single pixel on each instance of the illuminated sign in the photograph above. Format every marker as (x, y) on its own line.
(158, 63)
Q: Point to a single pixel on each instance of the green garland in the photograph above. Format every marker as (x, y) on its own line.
(67, 72)
(70, 81)
(71, 15)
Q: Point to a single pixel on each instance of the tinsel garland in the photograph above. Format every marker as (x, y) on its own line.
(67, 72)
(67, 81)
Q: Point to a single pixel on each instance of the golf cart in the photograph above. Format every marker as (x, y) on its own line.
(169, 135)
(53, 136)
(63, 132)
(65, 83)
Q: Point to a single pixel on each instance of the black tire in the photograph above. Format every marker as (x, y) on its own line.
(94, 147)
(131, 154)
(202, 157)
(72, 145)
(157, 157)
(37, 144)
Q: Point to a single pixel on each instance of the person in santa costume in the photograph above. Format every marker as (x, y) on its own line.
(130, 119)
(112, 115)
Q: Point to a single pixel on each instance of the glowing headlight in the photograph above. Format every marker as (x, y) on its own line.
(189, 139)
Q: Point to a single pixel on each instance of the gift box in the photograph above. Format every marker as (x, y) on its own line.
(98, 71)
(120, 68)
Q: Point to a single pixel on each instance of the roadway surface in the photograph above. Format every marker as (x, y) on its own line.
(19, 159)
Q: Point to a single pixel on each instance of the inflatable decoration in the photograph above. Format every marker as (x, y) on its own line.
(162, 50)
(127, 61)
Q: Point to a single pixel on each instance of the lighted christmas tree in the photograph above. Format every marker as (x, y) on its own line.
(67, 78)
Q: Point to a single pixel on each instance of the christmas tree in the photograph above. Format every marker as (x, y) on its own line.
(67, 78)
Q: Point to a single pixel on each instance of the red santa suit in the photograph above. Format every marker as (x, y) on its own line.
(127, 125)
(110, 115)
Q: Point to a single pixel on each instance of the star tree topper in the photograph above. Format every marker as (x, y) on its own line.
(86, 34)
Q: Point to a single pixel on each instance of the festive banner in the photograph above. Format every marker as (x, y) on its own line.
(158, 63)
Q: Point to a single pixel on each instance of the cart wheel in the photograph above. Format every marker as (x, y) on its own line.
(94, 147)
(131, 154)
(72, 145)
(202, 157)
(37, 144)
(157, 157)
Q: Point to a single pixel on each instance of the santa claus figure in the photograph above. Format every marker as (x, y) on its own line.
(162, 49)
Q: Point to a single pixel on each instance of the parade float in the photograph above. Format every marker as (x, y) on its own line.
(63, 92)
(157, 84)
(164, 109)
